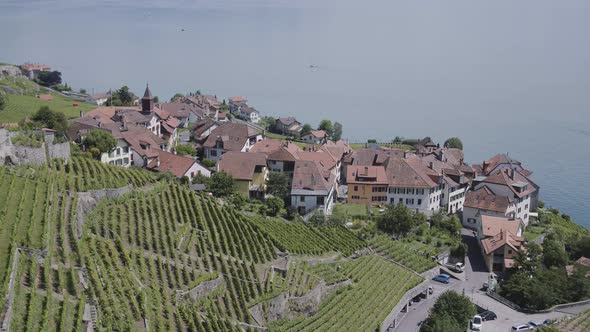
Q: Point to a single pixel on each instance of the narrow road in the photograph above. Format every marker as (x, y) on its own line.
(475, 275)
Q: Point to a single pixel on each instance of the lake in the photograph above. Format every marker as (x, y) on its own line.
(504, 75)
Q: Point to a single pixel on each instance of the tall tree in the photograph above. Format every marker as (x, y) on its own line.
(337, 134)
(220, 184)
(326, 125)
(274, 205)
(45, 117)
(100, 139)
(278, 184)
(399, 220)
(449, 307)
(49, 78)
(124, 95)
(454, 142)
(306, 129)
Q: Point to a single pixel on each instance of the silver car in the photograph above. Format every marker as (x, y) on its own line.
(521, 328)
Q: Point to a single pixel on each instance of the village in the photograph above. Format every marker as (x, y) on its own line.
(314, 173)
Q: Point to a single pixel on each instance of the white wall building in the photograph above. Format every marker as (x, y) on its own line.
(119, 156)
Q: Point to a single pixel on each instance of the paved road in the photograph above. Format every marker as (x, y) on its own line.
(475, 275)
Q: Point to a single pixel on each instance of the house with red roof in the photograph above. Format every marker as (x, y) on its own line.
(249, 171)
(313, 187)
(229, 136)
(32, 70)
(500, 240)
(367, 184)
(484, 202)
(178, 165)
(315, 137)
(515, 186)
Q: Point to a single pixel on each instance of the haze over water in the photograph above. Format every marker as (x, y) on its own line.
(505, 76)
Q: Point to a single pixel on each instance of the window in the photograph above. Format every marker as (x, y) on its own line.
(125, 161)
(509, 251)
(401, 200)
(126, 149)
(419, 201)
(213, 153)
(471, 220)
(302, 198)
(356, 188)
(319, 200)
(355, 197)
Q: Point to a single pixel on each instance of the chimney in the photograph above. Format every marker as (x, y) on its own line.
(512, 173)
(430, 165)
(484, 167)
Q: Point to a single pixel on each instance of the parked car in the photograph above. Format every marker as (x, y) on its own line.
(456, 267)
(488, 315)
(521, 328)
(536, 325)
(476, 323)
(444, 278)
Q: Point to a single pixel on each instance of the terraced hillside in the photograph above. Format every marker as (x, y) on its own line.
(160, 257)
(377, 287)
(415, 256)
(579, 323)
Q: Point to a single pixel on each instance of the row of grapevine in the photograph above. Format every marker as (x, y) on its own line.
(402, 253)
(86, 174)
(299, 238)
(378, 286)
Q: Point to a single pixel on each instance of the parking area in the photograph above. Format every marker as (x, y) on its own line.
(474, 276)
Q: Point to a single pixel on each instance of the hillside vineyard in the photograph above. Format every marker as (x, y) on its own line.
(149, 254)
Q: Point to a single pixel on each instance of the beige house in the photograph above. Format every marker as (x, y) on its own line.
(501, 240)
(248, 170)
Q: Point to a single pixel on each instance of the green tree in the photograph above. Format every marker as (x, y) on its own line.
(49, 78)
(399, 220)
(156, 99)
(220, 184)
(440, 323)
(3, 102)
(454, 142)
(278, 184)
(101, 140)
(274, 205)
(326, 125)
(83, 91)
(306, 129)
(125, 96)
(185, 150)
(337, 133)
(177, 97)
(554, 254)
(200, 178)
(529, 260)
(449, 307)
(45, 117)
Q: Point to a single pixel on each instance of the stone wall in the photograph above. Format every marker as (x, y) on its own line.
(203, 289)
(88, 200)
(12, 154)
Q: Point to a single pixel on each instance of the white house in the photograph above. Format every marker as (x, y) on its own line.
(484, 202)
(315, 137)
(178, 165)
(414, 185)
(121, 155)
(249, 114)
(229, 137)
(99, 99)
(312, 188)
(513, 185)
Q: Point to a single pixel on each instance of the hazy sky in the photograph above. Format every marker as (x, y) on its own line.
(504, 75)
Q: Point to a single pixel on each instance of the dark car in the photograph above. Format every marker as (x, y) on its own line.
(444, 278)
(488, 315)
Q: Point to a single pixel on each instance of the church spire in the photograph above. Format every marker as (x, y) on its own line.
(147, 102)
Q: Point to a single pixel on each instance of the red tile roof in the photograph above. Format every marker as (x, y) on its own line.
(308, 175)
(366, 174)
(491, 244)
(409, 173)
(484, 199)
(493, 225)
(233, 136)
(170, 162)
(241, 165)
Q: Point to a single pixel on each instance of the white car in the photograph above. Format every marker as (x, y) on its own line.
(476, 323)
(521, 328)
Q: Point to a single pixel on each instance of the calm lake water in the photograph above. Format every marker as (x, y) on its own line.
(504, 75)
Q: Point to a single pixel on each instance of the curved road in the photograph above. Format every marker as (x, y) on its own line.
(475, 275)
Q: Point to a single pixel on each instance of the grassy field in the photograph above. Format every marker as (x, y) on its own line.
(533, 232)
(19, 106)
(351, 210)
